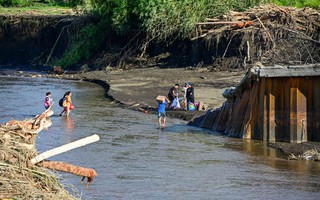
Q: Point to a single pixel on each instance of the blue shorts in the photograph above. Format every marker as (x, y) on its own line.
(161, 114)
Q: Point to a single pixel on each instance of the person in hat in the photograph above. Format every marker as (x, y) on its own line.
(162, 112)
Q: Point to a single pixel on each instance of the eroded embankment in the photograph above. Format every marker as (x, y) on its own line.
(35, 40)
(266, 33)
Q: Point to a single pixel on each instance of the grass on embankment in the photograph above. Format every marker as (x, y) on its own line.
(37, 10)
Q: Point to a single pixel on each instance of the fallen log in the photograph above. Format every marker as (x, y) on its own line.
(65, 148)
(47, 113)
(217, 23)
(73, 169)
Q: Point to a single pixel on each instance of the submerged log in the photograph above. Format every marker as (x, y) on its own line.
(73, 169)
(64, 148)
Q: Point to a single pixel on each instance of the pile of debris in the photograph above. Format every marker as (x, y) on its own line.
(18, 178)
(311, 154)
(267, 33)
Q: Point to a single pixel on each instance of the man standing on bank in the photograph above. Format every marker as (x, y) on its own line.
(173, 93)
(190, 95)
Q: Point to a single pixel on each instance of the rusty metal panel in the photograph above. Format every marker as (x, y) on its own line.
(272, 109)
(316, 111)
(251, 112)
(259, 121)
(239, 114)
(271, 117)
(209, 118)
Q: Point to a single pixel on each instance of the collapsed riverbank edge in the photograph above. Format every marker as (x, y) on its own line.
(294, 151)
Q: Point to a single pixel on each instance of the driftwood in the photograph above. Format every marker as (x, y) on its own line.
(17, 179)
(64, 148)
(33, 126)
(43, 116)
(54, 46)
(217, 23)
(73, 169)
(266, 34)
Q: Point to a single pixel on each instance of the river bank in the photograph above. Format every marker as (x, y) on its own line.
(132, 153)
(137, 89)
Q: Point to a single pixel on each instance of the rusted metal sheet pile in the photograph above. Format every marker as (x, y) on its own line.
(277, 103)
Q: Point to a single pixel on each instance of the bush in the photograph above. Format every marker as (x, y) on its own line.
(21, 3)
(161, 20)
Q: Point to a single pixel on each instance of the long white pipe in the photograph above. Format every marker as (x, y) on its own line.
(64, 148)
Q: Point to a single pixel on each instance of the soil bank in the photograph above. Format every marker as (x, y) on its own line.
(138, 88)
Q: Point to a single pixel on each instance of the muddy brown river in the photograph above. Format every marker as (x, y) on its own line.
(134, 160)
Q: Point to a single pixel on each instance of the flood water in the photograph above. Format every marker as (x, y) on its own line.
(134, 160)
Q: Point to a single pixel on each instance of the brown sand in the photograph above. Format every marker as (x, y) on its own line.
(138, 88)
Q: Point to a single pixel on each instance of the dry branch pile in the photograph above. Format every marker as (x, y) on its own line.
(268, 33)
(19, 180)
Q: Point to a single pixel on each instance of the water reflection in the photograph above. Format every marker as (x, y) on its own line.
(68, 124)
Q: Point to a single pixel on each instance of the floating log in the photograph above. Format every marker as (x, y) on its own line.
(65, 148)
(73, 169)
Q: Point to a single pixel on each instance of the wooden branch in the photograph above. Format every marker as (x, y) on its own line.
(201, 36)
(225, 51)
(266, 30)
(212, 19)
(305, 37)
(54, 46)
(64, 148)
(216, 23)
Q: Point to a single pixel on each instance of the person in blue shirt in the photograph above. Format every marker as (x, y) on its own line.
(162, 112)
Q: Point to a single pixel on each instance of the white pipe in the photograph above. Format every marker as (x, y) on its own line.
(64, 148)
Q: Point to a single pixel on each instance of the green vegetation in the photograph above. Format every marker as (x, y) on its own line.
(161, 20)
(23, 3)
(84, 44)
(36, 10)
(298, 3)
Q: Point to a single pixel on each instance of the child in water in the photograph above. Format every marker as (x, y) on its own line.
(67, 104)
(162, 112)
(47, 101)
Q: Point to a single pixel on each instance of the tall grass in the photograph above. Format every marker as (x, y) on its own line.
(23, 3)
